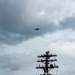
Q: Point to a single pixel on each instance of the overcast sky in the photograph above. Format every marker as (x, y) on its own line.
(20, 43)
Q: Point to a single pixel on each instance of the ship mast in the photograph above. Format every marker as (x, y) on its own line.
(47, 61)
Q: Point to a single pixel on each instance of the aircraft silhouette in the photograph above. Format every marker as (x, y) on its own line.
(37, 29)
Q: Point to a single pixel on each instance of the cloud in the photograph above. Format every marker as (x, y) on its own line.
(68, 23)
(51, 10)
(21, 59)
(19, 18)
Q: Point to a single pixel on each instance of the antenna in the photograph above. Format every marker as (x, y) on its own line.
(47, 63)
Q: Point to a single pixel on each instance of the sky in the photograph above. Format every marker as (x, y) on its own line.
(20, 44)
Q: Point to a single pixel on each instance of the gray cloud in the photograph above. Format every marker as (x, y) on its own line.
(21, 59)
(19, 18)
(14, 21)
(68, 23)
(22, 64)
(14, 62)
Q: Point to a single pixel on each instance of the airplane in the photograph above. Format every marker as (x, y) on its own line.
(37, 29)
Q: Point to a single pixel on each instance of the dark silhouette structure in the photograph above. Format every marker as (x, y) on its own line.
(47, 61)
(37, 29)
